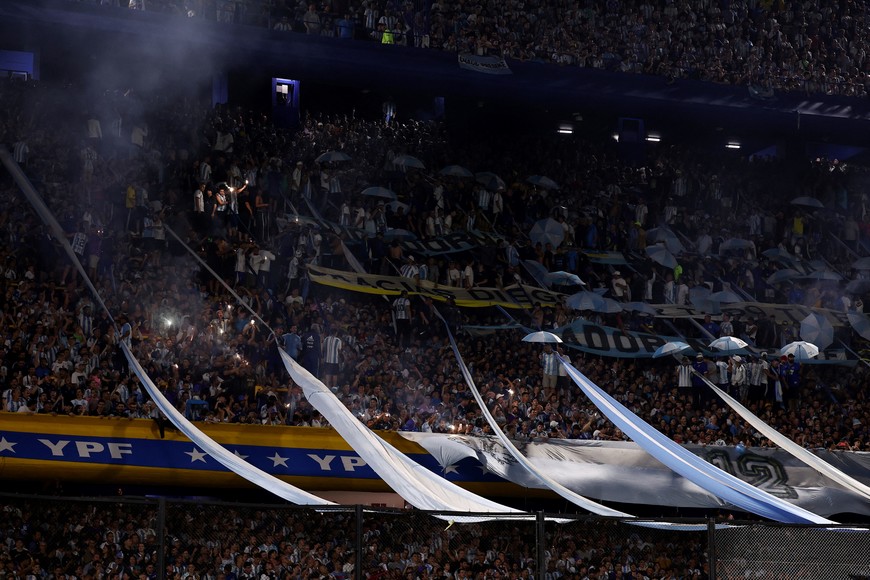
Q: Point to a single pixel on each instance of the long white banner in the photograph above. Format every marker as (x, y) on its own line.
(623, 472)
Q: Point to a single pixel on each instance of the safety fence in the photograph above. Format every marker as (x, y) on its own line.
(156, 538)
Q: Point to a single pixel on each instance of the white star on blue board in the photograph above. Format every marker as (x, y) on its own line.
(196, 455)
(451, 469)
(278, 460)
(6, 445)
(239, 455)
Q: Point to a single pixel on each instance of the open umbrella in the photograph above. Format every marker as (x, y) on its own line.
(725, 297)
(735, 244)
(858, 286)
(660, 255)
(541, 336)
(822, 275)
(816, 329)
(779, 254)
(860, 324)
(399, 234)
(332, 156)
(406, 161)
(783, 276)
(542, 181)
(862, 263)
(801, 350)
(728, 344)
(585, 300)
(456, 171)
(561, 278)
(395, 205)
(379, 192)
(667, 237)
(547, 231)
(489, 180)
(640, 307)
(807, 201)
(611, 306)
(675, 347)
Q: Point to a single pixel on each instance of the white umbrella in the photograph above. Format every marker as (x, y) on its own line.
(724, 296)
(858, 286)
(728, 344)
(807, 201)
(561, 278)
(817, 330)
(783, 275)
(331, 156)
(860, 324)
(862, 263)
(547, 231)
(641, 307)
(778, 254)
(541, 336)
(379, 192)
(542, 181)
(456, 171)
(406, 161)
(820, 275)
(585, 300)
(735, 244)
(675, 347)
(611, 306)
(801, 350)
(660, 255)
(489, 180)
(667, 237)
(395, 205)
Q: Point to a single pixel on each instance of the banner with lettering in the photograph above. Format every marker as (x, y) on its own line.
(515, 296)
(623, 472)
(493, 65)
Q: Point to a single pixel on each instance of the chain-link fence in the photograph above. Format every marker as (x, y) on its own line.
(49, 537)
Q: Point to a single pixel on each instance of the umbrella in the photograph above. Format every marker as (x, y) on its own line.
(379, 192)
(665, 236)
(862, 264)
(728, 344)
(820, 275)
(641, 307)
(858, 286)
(801, 350)
(807, 201)
(406, 161)
(699, 296)
(547, 231)
(735, 244)
(395, 205)
(779, 254)
(542, 181)
(860, 324)
(661, 255)
(398, 234)
(561, 278)
(585, 300)
(783, 275)
(541, 336)
(611, 306)
(331, 156)
(675, 347)
(456, 171)
(816, 329)
(489, 180)
(724, 296)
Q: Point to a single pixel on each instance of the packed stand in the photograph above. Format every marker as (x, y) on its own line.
(813, 47)
(118, 540)
(171, 162)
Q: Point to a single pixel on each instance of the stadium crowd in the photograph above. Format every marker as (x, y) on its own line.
(217, 364)
(812, 47)
(121, 540)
